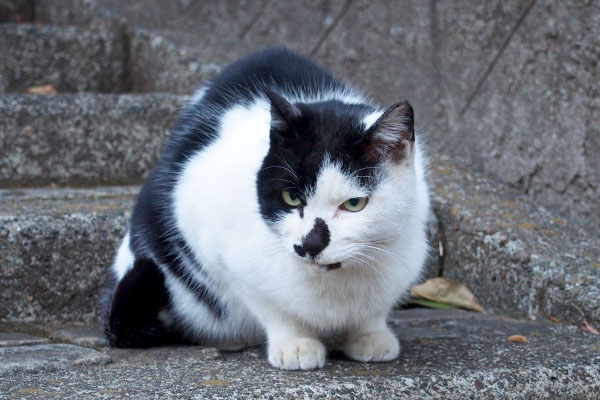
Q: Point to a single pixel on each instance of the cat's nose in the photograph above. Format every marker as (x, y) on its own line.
(316, 240)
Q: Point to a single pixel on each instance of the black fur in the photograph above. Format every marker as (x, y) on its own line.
(137, 300)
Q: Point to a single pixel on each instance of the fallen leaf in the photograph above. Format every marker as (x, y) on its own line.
(588, 328)
(554, 319)
(432, 304)
(41, 89)
(517, 339)
(447, 291)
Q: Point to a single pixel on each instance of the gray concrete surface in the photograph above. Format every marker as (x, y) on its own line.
(509, 86)
(517, 257)
(55, 247)
(68, 58)
(47, 357)
(445, 355)
(85, 139)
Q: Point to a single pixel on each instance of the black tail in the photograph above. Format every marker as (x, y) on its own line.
(132, 318)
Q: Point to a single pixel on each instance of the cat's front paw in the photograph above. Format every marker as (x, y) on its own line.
(297, 353)
(374, 346)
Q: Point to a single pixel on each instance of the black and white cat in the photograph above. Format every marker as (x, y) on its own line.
(285, 208)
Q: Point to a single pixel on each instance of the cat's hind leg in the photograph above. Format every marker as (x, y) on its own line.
(137, 302)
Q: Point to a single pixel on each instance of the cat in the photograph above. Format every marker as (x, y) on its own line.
(286, 208)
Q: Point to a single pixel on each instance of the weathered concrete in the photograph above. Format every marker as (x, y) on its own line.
(47, 357)
(85, 139)
(9, 339)
(156, 64)
(510, 86)
(445, 355)
(533, 119)
(55, 249)
(517, 257)
(68, 58)
(86, 337)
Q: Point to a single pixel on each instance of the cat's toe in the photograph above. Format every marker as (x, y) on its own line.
(297, 353)
(374, 346)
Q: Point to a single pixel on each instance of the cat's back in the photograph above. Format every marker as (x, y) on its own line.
(277, 69)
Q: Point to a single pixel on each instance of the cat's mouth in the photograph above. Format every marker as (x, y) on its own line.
(327, 267)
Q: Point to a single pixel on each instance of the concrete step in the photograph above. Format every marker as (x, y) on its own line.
(84, 139)
(518, 259)
(67, 57)
(107, 58)
(55, 248)
(445, 355)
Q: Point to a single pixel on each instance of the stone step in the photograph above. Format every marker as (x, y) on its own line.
(83, 139)
(115, 59)
(445, 355)
(55, 249)
(69, 58)
(517, 258)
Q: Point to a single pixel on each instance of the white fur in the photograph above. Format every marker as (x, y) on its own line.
(124, 259)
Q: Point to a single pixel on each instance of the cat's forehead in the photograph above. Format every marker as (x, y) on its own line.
(334, 184)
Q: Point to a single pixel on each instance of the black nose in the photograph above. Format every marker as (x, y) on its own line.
(316, 240)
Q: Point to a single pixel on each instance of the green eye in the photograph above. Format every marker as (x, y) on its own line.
(355, 204)
(291, 199)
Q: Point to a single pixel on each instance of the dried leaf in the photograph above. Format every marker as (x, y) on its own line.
(554, 319)
(432, 304)
(517, 339)
(42, 89)
(585, 326)
(447, 291)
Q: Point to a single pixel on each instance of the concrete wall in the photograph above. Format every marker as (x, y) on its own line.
(511, 87)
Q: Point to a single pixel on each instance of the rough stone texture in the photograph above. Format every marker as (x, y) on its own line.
(517, 257)
(446, 355)
(19, 339)
(84, 139)
(68, 58)
(47, 357)
(510, 86)
(86, 337)
(16, 10)
(55, 249)
(156, 64)
(534, 119)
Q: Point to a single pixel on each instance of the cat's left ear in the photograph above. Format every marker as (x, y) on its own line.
(392, 135)
(283, 116)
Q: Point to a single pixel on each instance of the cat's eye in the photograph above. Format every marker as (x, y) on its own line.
(291, 199)
(354, 204)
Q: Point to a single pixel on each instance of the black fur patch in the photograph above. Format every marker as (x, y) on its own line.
(137, 300)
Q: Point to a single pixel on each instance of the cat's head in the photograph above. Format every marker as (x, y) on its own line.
(338, 179)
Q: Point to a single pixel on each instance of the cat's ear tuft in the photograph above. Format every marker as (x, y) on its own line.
(283, 116)
(391, 134)
(283, 113)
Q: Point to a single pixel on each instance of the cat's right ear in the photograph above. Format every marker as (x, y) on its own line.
(283, 116)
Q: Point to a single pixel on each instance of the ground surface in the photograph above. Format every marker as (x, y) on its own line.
(445, 355)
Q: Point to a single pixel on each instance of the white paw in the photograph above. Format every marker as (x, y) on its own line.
(374, 346)
(297, 353)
